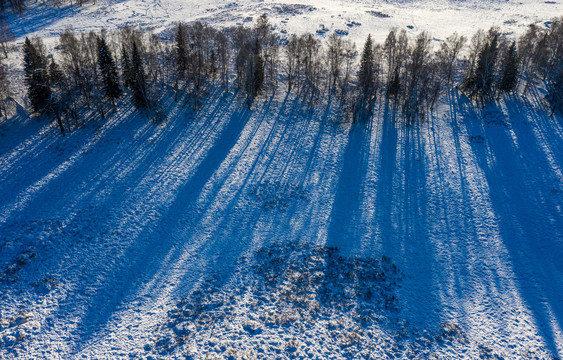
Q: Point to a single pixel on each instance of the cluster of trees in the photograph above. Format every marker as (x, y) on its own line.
(86, 73)
(93, 70)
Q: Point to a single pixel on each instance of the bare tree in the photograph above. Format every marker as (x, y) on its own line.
(448, 56)
(4, 89)
(224, 56)
(334, 59)
(417, 75)
(349, 57)
(6, 37)
(311, 57)
(396, 48)
(74, 62)
(293, 62)
(269, 49)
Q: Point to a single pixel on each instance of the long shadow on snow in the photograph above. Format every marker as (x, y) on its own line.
(138, 156)
(344, 229)
(262, 114)
(403, 215)
(29, 154)
(461, 227)
(387, 173)
(39, 18)
(236, 232)
(149, 257)
(521, 182)
(122, 169)
(57, 187)
(301, 152)
(231, 226)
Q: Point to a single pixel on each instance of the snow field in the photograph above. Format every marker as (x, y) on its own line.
(110, 232)
(355, 19)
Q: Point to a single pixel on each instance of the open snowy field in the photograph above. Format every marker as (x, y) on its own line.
(281, 231)
(357, 18)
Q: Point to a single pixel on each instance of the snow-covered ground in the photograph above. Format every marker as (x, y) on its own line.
(227, 232)
(283, 231)
(358, 18)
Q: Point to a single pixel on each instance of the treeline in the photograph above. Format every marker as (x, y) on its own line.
(94, 70)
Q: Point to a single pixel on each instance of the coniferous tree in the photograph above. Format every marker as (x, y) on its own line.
(366, 76)
(126, 70)
(484, 76)
(56, 75)
(181, 49)
(108, 69)
(476, 46)
(510, 72)
(57, 84)
(36, 77)
(140, 97)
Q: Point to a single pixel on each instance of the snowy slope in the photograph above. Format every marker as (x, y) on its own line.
(108, 229)
(128, 239)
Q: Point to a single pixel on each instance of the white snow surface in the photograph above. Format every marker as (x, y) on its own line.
(129, 239)
(356, 18)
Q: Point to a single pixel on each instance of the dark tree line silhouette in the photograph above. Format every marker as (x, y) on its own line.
(94, 70)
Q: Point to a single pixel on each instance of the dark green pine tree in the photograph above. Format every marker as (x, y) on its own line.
(56, 75)
(366, 76)
(108, 69)
(510, 73)
(126, 72)
(139, 81)
(36, 77)
(181, 49)
(58, 103)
